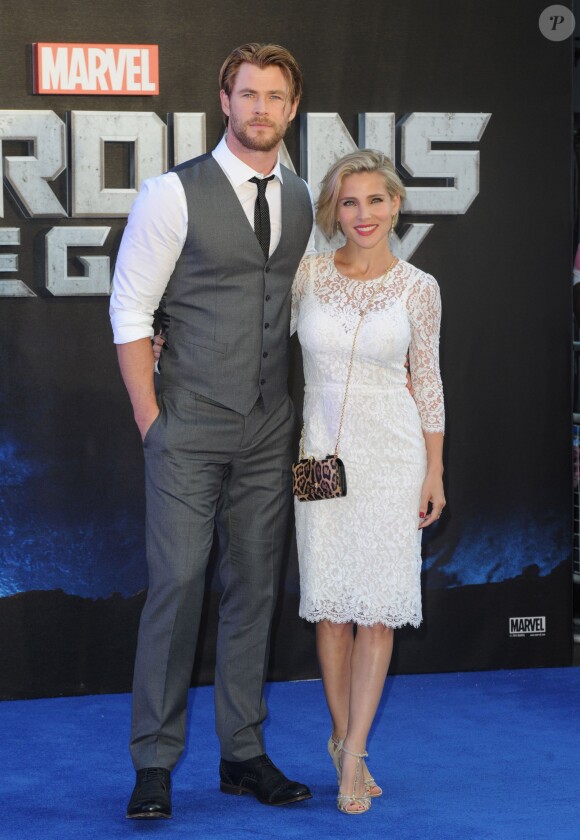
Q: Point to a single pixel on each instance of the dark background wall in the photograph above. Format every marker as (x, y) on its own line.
(72, 570)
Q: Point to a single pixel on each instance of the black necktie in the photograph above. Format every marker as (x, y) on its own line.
(262, 215)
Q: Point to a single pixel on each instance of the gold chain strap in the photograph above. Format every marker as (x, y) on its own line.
(358, 326)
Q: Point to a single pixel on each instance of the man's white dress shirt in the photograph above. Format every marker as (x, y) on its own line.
(155, 235)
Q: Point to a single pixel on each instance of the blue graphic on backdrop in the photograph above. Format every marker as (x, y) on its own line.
(103, 553)
(91, 558)
(490, 552)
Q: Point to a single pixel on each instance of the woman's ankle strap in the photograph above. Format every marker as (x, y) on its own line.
(356, 755)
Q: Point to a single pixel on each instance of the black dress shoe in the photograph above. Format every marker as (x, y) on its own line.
(151, 797)
(262, 779)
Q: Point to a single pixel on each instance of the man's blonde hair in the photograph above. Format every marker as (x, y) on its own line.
(262, 55)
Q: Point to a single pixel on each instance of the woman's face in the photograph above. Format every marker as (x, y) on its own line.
(365, 209)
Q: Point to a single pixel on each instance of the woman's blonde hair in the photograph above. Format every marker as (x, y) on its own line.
(365, 160)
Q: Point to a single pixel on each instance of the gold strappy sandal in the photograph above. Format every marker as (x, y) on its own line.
(369, 782)
(333, 750)
(344, 800)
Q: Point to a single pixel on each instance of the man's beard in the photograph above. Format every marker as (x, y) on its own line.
(257, 143)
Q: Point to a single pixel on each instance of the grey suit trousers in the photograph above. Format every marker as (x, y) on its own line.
(206, 463)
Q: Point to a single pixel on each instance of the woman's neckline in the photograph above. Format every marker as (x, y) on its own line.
(360, 279)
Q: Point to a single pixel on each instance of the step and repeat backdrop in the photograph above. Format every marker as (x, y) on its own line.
(473, 102)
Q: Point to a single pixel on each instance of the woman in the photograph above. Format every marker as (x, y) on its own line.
(359, 555)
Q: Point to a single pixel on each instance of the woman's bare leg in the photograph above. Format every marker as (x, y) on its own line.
(370, 660)
(334, 645)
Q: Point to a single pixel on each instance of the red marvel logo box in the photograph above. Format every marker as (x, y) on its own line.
(96, 69)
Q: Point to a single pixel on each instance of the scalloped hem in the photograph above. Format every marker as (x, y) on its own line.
(363, 621)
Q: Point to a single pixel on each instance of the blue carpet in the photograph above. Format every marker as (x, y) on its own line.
(476, 756)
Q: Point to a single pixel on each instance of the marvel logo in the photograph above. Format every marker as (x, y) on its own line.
(528, 626)
(122, 69)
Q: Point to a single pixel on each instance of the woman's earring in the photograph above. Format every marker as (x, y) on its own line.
(394, 222)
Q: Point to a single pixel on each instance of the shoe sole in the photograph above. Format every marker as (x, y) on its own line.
(236, 790)
(148, 816)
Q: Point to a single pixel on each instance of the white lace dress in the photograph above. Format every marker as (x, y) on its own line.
(360, 555)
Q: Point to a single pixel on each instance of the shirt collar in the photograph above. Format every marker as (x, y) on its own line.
(237, 171)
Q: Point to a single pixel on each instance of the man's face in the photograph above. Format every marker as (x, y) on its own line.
(259, 107)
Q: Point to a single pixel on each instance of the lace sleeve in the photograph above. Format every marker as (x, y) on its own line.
(298, 289)
(424, 304)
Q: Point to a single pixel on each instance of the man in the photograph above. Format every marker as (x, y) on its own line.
(223, 243)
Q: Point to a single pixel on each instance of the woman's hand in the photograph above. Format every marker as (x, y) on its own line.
(433, 495)
(158, 343)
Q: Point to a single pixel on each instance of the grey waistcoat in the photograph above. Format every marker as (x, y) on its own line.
(229, 309)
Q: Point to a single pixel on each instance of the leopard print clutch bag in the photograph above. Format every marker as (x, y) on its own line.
(318, 478)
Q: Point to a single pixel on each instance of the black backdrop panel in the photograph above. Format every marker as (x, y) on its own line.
(72, 570)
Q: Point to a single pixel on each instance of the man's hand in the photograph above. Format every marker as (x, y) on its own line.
(409, 383)
(146, 420)
(136, 364)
